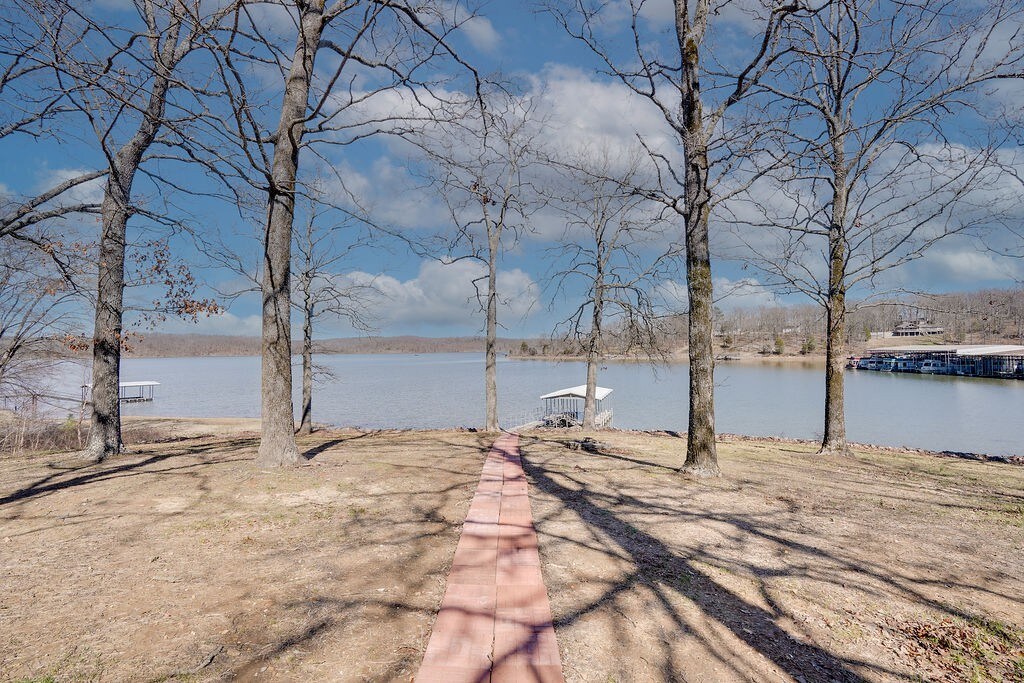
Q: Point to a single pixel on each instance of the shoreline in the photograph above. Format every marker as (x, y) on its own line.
(198, 427)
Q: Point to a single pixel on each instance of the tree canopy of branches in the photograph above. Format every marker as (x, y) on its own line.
(36, 312)
(693, 92)
(609, 248)
(479, 160)
(874, 165)
(373, 49)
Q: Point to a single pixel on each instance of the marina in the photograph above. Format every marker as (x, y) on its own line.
(992, 361)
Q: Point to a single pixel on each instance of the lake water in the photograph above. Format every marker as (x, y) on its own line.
(445, 390)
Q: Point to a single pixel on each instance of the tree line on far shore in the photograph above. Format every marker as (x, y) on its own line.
(836, 141)
(984, 316)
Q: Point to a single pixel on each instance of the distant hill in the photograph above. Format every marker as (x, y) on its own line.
(167, 345)
(992, 316)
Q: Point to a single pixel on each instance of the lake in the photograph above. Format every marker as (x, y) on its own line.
(446, 390)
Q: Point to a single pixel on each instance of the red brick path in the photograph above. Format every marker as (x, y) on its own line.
(495, 619)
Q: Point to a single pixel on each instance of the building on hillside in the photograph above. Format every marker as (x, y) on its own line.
(916, 328)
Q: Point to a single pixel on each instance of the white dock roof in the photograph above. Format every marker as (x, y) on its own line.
(131, 384)
(958, 349)
(578, 392)
(1002, 350)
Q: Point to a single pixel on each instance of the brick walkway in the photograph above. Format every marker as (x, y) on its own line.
(495, 619)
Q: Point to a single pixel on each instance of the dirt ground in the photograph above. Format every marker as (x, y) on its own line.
(183, 562)
(137, 428)
(791, 567)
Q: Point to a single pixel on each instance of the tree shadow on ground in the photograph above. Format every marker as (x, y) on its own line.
(669, 573)
(402, 534)
(328, 444)
(393, 522)
(122, 466)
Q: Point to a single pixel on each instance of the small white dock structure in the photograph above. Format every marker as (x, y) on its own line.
(127, 392)
(564, 407)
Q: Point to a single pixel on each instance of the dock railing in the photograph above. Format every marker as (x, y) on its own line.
(539, 416)
(524, 419)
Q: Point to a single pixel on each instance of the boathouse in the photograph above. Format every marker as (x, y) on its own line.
(566, 405)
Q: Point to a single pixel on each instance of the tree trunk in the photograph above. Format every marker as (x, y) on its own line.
(593, 349)
(834, 439)
(105, 423)
(701, 453)
(491, 369)
(277, 440)
(590, 402)
(306, 424)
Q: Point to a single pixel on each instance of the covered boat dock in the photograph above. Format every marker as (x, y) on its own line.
(1001, 361)
(564, 407)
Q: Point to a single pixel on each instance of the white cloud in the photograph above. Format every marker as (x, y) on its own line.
(573, 110)
(575, 114)
(959, 265)
(897, 210)
(388, 193)
(743, 293)
(90, 192)
(226, 323)
(581, 112)
(482, 34)
(729, 294)
(444, 295)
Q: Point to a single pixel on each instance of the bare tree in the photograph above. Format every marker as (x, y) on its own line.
(480, 165)
(119, 82)
(693, 92)
(32, 107)
(874, 165)
(390, 44)
(37, 311)
(611, 248)
(40, 322)
(323, 294)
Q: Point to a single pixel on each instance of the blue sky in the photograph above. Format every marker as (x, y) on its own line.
(423, 297)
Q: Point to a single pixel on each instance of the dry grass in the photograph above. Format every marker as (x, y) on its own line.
(183, 562)
(22, 433)
(30, 434)
(791, 567)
